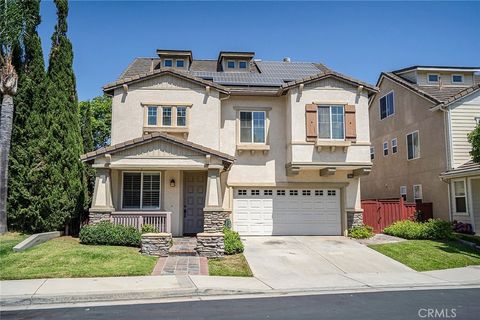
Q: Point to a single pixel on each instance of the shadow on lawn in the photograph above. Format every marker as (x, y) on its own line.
(459, 248)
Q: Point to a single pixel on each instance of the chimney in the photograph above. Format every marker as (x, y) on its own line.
(286, 59)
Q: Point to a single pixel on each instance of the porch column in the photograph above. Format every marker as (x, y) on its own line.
(102, 204)
(213, 195)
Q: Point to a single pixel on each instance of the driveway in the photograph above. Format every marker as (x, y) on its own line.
(292, 260)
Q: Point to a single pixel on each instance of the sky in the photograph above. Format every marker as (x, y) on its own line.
(359, 39)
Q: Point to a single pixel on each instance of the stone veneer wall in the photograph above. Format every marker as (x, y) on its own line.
(96, 217)
(213, 221)
(156, 244)
(354, 219)
(210, 245)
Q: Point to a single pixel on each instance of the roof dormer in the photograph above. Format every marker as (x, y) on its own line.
(439, 76)
(231, 61)
(178, 59)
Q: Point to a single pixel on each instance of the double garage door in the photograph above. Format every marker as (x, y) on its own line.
(287, 211)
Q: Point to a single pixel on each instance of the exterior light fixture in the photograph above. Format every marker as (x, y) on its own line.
(172, 183)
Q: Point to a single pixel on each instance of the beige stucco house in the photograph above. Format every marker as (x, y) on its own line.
(277, 147)
(419, 123)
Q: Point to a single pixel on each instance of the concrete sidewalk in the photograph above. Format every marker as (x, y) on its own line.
(76, 290)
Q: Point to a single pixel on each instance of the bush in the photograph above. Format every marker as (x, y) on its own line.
(363, 232)
(433, 229)
(233, 243)
(107, 233)
(148, 228)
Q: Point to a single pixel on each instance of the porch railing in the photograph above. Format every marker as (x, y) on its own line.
(160, 220)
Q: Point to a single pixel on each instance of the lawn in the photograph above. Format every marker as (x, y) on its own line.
(426, 255)
(469, 238)
(65, 257)
(235, 265)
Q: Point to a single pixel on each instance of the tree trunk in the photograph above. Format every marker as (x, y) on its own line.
(6, 121)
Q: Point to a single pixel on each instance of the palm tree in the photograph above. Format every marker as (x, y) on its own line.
(13, 20)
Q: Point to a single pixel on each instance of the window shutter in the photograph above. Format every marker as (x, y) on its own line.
(311, 121)
(350, 123)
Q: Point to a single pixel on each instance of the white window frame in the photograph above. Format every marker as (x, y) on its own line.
(372, 153)
(394, 145)
(433, 74)
(246, 64)
(385, 148)
(406, 142)
(460, 75)
(454, 196)
(164, 64)
(234, 64)
(380, 106)
(141, 191)
(156, 118)
(403, 191)
(251, 136)
(421, 192)
(331, 122)
(176, 61)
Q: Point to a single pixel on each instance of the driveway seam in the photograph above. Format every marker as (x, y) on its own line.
(264, 283)
(321, 255)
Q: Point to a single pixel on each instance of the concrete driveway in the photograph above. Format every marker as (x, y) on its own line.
(291, 260)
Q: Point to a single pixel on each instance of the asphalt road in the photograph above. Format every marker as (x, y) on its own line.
(431, 304)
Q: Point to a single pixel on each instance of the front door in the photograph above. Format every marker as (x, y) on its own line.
(194, 187)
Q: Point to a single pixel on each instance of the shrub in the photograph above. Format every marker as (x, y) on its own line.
(233, 243)
(107, 233)
(434, 229)
(148, 228)
(363, 232)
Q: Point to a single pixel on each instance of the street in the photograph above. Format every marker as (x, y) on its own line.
(427, 304)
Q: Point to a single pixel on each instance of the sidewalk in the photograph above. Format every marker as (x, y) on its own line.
(75, 290)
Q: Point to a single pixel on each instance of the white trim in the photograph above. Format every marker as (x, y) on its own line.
(433, 74)
(184, 64)
(421, 192)
(164, 60)
(246, 65)
(386, 106)
(457, 74)
(252, 128)
(406, 141)
(396, 145)
(234, 64)
(403, 188)
(454, 197)
(331, 123)
(372, 152)
(141, 191)
(385, 147)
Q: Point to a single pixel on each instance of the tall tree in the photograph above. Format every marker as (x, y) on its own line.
(85, 115)
(101, 121)
(13, 21)
(474, 139)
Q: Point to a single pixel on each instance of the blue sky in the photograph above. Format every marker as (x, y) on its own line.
(360, 39)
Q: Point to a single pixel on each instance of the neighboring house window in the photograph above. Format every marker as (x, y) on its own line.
(457, 78)
(372, 153)
(242, 64)
(403, 192)
(387, 107)
(167, 116)
(477, 120)
(168, 63)
(460, 196)
(413, 146)
(152, 116)
(432, 78)
(181, 116)
(394, 145)
(231, 64)
(331, 122)
(385, 148)
(141, 190)
(180, 63)
(417, 192)
(252, 126)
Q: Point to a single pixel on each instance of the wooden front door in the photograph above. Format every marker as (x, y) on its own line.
(194, 188)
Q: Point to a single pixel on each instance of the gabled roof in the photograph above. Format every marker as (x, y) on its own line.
(462, 94)
(435, 68)
(153, 137)
(467, 169)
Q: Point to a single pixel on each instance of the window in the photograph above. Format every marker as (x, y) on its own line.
(386, 106)
(152, 116)
(242, 192)
(242, 64)
(331, 192)
(306, 192)
(294, 192)
(460, 197)
(432, 78)
(141, 190)
(255, 192)
(417, 192)
(331, 122)
(252, 126)
(267, 192)
(403, 192)
(385, 148)
(231, 64)
(180, 63)
(477, 120)
(181, 116)
(394, 145)
(457, 78)
(372, 153)
(413, 146)
(319, 192)
(168, 63)
(280, 192)
(167, 116)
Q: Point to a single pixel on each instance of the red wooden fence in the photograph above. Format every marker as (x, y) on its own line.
(382, 213)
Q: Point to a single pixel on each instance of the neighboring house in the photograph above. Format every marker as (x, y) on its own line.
(419, 123)
(278, 147)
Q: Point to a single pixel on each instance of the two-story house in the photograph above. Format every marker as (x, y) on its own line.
(277, 147)
(419, 123)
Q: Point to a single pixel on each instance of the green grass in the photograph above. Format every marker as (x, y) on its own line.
(235, 265)
(65, 257)
(468, 237)
(426, 255)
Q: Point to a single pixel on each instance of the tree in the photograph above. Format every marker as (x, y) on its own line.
(101, 119)
(474, 139)
(13, 20)
(85, 115)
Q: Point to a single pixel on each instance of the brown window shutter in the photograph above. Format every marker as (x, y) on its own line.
(311, 121)
(350, 123)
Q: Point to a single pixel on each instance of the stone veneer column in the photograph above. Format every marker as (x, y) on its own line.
(102, 204)
(156, 244)
(354, 218)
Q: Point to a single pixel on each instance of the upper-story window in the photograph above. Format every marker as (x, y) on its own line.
(387, 107)
(167, 116)
(372, 153)
(181, 116)
(252, 126)
(394, 145)
(152, 116)
(168, 63)
(413, 146)
(180, 63)
(457, 78)
(331, 122)
(433, 78)
(242, 64)
(231, 64)
(385, 148)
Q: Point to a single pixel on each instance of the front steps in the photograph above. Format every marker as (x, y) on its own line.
(183, 247)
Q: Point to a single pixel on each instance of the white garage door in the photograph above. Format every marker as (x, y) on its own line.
(287, 211)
